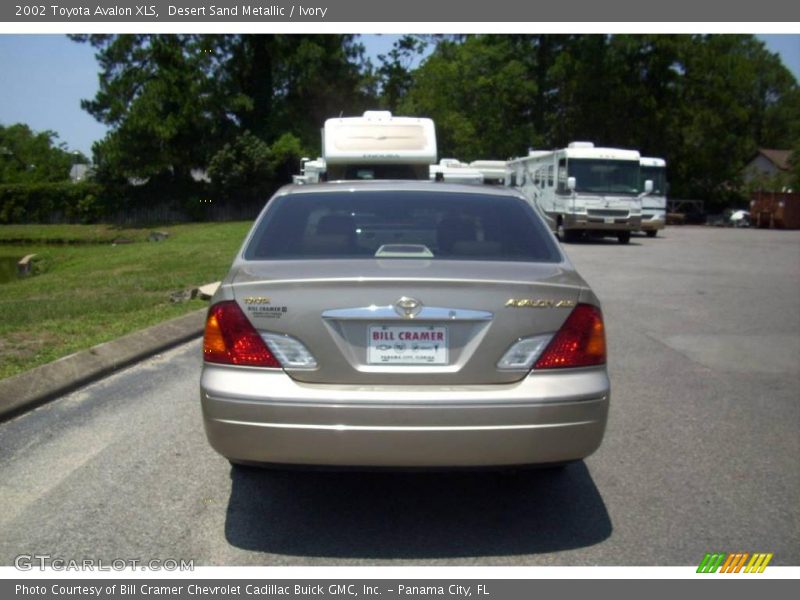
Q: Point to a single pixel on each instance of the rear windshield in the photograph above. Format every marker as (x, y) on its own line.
(396, 224)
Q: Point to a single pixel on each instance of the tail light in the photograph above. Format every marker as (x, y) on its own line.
(581, 341)
(232, 340)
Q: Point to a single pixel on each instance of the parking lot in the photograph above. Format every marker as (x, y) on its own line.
(701, 452)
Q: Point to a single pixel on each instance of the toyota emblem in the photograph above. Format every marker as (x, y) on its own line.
(407, 308)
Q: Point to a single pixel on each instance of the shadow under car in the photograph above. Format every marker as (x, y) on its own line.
(415, 515)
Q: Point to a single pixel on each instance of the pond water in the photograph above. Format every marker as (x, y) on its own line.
(8, 268)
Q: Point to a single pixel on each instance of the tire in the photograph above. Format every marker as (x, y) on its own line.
(652, 233)
(566, 236)
(561, 233)
(624, 237)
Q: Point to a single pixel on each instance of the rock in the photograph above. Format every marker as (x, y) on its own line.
(206, 291)
(25, 263)
(157, 236)
(181, 296)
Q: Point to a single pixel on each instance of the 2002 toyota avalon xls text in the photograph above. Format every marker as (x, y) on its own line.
(403, 324)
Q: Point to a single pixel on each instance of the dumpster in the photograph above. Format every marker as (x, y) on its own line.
(780, 210)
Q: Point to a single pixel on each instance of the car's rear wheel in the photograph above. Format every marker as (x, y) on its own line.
(624, 237)
(652, 233)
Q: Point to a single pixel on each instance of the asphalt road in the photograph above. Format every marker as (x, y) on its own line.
(702, 451)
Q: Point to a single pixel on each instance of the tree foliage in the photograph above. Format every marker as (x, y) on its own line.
(245, 107)
(703, 102)
(30, 157)
(394, 75)
(732, 101)
(175, 102)
(245, 169)
(478, 94)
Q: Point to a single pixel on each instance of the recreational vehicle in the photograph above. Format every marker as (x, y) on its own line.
(311, 171)
(493, 171)
(583, 189)
(654, 205)
(452, 170)
(378, 145)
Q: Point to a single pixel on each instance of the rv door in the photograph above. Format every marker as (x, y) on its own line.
(571, 185)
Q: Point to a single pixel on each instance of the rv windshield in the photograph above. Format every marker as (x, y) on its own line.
(605, 176)
(658, 175)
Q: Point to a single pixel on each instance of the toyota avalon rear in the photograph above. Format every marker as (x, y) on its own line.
(403, 324)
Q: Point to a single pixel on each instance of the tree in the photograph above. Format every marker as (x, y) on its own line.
(703, 102)
(30, 157)
(276, 84)
(478, 94)
(173, 102)
(732, 98)
(156, 99)
(395, 74)
(246, 168)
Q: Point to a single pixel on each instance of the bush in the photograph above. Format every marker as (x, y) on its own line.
(248, 169)
(241, 170)
(52, 203)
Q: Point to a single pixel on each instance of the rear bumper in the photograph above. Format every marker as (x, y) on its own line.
(253, 415)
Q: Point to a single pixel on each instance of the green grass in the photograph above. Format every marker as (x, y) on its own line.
(89, 291)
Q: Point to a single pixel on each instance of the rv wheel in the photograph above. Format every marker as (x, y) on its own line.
(563, 234)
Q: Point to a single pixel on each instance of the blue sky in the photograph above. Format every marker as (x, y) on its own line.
(45, 76)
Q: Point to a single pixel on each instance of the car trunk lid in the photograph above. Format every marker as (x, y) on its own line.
(410, 322)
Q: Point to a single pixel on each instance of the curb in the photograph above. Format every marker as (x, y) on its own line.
(30, 389)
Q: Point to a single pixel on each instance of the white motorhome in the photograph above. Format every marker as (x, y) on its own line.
(452, 170)
(378, 145)
(493, 171)
(582, 188)
(311, 171)
(654, 205)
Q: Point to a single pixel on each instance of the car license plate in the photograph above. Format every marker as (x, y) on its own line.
(609, 220)
(399, 345)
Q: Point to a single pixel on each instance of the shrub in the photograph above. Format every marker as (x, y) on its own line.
(52, 202)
